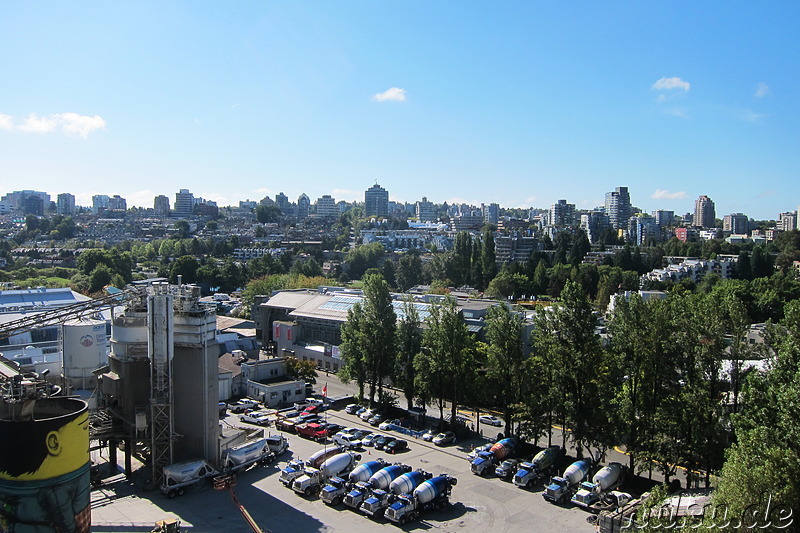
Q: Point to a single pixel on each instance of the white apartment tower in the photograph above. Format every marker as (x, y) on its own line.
(65, 204)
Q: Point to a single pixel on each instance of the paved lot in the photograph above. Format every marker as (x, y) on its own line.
(480, 504)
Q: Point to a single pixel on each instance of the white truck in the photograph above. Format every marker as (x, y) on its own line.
(531, 471)
(313, 479)
(296, 467)
(247, 454)
(178, 476)
(378, 499)
(277, 444)
(604, 482)
(255, 417)
(242, 405)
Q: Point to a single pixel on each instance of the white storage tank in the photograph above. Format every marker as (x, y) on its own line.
(85, 347)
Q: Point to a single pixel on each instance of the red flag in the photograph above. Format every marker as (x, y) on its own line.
(325, 390)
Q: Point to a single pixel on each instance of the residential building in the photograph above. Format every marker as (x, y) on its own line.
(704, 214)
(562, 214)
(491, 213)
(466, 222)
(27, 201)
(376, 201)
(99, 203)
(664, 218)
(117, 203)
(685, 234)
(65, 204)
(643, 228)
(184, 203)
(326, 207)
(618, 207)
(425, 211)
(594, 223)
(282, 201)
(514, 248)
(735, 223)
(303, 206)
(787, 221)
(693, 269)
(161, 205)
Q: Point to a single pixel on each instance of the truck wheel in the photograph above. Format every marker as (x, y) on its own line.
(307, 492)
(402, 520)
(337, 500)
(180, 491)
(171, 494)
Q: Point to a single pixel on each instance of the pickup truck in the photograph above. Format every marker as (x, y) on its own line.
(242, 405)
(312, 430)
(255, 417)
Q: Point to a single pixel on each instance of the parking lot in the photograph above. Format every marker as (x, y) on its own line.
(479, 504)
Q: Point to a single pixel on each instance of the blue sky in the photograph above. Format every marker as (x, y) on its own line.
(520, 103)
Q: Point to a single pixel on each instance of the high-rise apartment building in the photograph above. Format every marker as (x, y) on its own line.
(491, 213)
(303, 206)
(376, 201)
(735, 223)
(65, 204)
(282, 201)
(618, 207)
(787, 221)
(562, 214)
(425, 210)
(99, 203)
(664, 218)
(30, 202)
(161, 205)
(704, 214)
(184, 203)
(326, 207)
(117, 203)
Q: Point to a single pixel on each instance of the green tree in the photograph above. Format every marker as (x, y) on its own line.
(409, 271)
(380, 324)
(449, 347)
(409, 343)
(505, 357)
(352, 348)
(268, 213)
(186, 267)
(488, 258)
(301, 370)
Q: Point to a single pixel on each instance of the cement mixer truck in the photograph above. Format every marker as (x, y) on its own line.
(606, 480)
(561, 487)
(313, 479)
(378, 499)
(334, 492)
(431, 494)
(244, 455)
(485, 463)
(380, 479)
(296, 466)
(540, 466)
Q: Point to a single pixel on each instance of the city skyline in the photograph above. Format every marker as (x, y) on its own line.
(521, 105)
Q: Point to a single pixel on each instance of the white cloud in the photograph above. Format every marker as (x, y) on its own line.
(762, 90)
(34, 124)
(664, 194)
(6, 122)
(142, 198)
(395, 94)
(670, 84)
(71, 124)
(263, 191)
(76, 125)
(748, 115)
(677, 112)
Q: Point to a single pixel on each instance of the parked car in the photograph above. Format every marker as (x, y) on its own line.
(444, 438)
(347, 440)
(491, 420)
(380, 444)
(507, 468)
(366, 415)
(397, 445)
(428, 435)
(290, 414)
(375, 420)
(360, 410)
(308, 417)
(370, 439)
(387, 426)
(333, 428)
(352, 408)
(362, 433)
(223, 409)
(242, 405)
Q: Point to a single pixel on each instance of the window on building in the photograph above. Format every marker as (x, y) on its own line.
(298, 392)
(273, 395)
